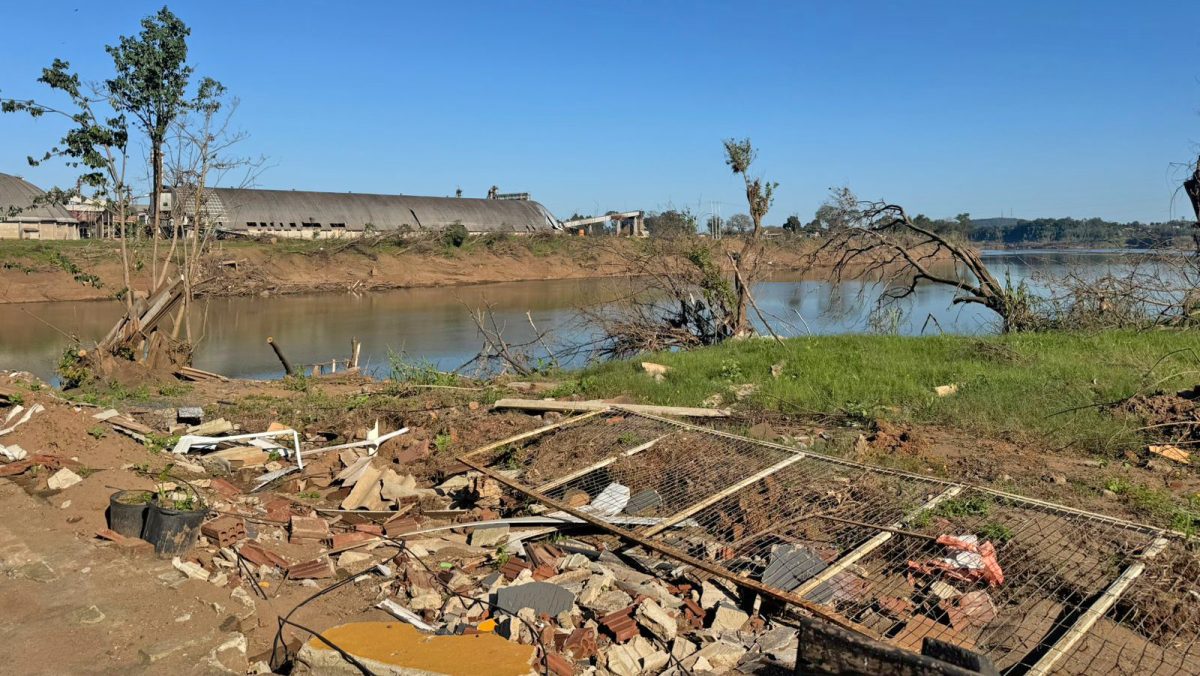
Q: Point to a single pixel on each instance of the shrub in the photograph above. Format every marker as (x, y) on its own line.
(454, 235)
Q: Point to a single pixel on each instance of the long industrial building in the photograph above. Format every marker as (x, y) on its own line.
(296, 213)
(21, 217)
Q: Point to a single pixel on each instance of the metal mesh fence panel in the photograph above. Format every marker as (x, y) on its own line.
(1036, 587)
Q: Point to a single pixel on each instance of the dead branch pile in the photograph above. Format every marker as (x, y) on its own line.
(677, 296)
(1154, 290)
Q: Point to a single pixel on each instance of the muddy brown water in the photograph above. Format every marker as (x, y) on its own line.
(434, 324)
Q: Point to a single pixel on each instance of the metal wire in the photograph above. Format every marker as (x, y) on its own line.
(862, 540)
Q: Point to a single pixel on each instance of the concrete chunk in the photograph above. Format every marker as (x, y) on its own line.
(63, 478)
(542, 597)
(656, 620)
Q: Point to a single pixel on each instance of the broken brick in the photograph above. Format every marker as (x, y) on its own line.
(260, 556)
(693, 613)
(308, 529)
(372, 528)
(559, 665)
(316, 569)
(620, 624)
(224, 530)
(513, 567)
(224, 488)
(580, 644)
(343, 540)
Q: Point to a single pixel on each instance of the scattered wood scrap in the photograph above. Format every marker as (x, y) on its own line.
(597, 405)
(1171, 452)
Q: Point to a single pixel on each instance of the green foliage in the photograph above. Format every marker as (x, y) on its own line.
(309, 495)
(297, 382)
(960, 507)
(995, 532)
(73, 371)
(628, 439)
(98, 432)
(418, 371)
(442, 443)
(160, 442)
(671, 223)
(174, 389)
(713, 284)
(455, 234)
(510, 457)
(17, 399)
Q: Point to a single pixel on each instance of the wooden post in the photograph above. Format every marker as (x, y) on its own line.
(287, 366)
(355, 349)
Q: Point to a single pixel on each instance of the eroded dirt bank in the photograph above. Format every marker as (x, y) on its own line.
(91, 270)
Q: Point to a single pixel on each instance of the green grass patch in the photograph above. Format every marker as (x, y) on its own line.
(1010, 386)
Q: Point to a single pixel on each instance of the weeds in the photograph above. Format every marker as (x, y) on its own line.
(417, 371)
(442, 443)
(97, 432)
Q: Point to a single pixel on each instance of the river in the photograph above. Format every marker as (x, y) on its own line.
(434, 324)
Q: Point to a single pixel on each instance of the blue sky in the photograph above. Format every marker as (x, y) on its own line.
(1038, 108)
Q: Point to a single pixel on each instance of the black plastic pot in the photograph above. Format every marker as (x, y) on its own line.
(128, 517)
(173, 532)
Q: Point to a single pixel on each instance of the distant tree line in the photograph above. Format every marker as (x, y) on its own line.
(1010, 231)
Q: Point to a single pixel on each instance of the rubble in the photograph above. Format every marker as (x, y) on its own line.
(62, 479)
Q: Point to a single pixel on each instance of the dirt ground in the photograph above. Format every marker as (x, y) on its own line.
(246, 269)
(125, 610)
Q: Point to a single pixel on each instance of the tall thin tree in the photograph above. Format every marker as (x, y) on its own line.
(150, 85)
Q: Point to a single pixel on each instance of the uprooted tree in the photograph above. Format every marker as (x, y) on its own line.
(149, 93)
(878, 243)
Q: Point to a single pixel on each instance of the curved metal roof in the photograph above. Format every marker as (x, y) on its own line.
(17, 193)
(236, 208)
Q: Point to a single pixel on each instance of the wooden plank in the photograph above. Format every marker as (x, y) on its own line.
(599, 465)
(1097, 610)
(533, 433)
(721, 495)
(677, 554)
(595, 405)
(871, 545)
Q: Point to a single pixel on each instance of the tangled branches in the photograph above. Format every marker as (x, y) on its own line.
(880, 243)
(678, 297)
(1161, 289)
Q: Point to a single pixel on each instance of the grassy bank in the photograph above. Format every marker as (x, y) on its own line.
(1018, 387)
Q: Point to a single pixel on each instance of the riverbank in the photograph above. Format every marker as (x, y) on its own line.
(91, 269)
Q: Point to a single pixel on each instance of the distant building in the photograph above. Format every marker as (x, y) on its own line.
(295, 213)
(22, 218)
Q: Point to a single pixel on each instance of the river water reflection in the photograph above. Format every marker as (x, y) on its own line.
(434, 323)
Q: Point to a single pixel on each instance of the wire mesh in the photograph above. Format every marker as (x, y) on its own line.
(901, 555)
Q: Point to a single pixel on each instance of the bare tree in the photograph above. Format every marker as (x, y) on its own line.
(880, 243)
(199, 156)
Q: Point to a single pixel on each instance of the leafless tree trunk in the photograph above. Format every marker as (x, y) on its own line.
(1192, 187)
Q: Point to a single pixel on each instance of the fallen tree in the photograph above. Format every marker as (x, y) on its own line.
(880, 244)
